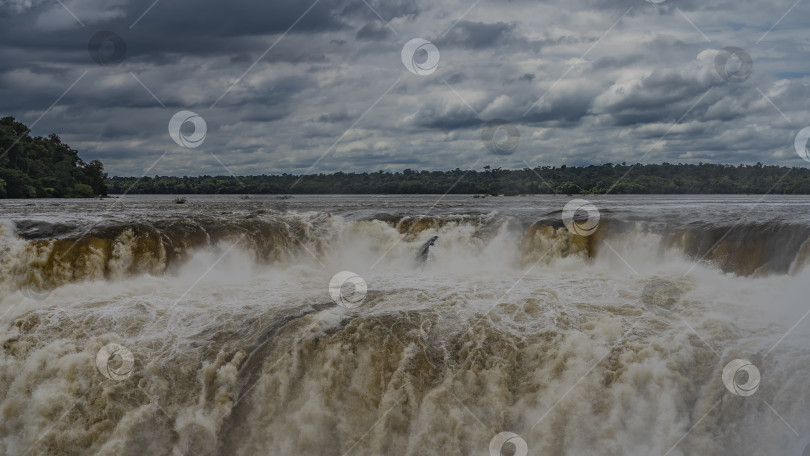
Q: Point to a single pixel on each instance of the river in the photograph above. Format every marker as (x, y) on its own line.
(541, 325)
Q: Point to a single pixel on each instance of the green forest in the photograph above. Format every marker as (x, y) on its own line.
(37, 167)
(640, 179)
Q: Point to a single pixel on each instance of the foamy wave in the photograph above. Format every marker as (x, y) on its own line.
(116, 251)
(609, 344)
(263, 362)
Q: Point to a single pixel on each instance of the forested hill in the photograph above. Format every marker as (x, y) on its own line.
(651, 179)
(44, 167)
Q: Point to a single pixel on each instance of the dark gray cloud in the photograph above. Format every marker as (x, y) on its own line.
(373, 31)
(281, 84)
(478, 35)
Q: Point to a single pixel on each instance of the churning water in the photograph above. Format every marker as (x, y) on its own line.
(138, 326)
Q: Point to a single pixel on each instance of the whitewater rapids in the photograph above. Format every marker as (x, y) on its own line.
(611, 344)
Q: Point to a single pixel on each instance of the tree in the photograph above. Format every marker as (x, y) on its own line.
(32, 167)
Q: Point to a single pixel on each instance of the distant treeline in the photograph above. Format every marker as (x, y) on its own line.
(32, 167)
(44, 167)
(639, 179)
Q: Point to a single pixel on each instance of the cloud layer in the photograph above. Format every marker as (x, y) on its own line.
(298, 86)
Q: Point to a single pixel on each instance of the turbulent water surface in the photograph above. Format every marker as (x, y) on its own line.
(137, 326)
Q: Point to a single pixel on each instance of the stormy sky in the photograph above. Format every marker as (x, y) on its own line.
(303, 86)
